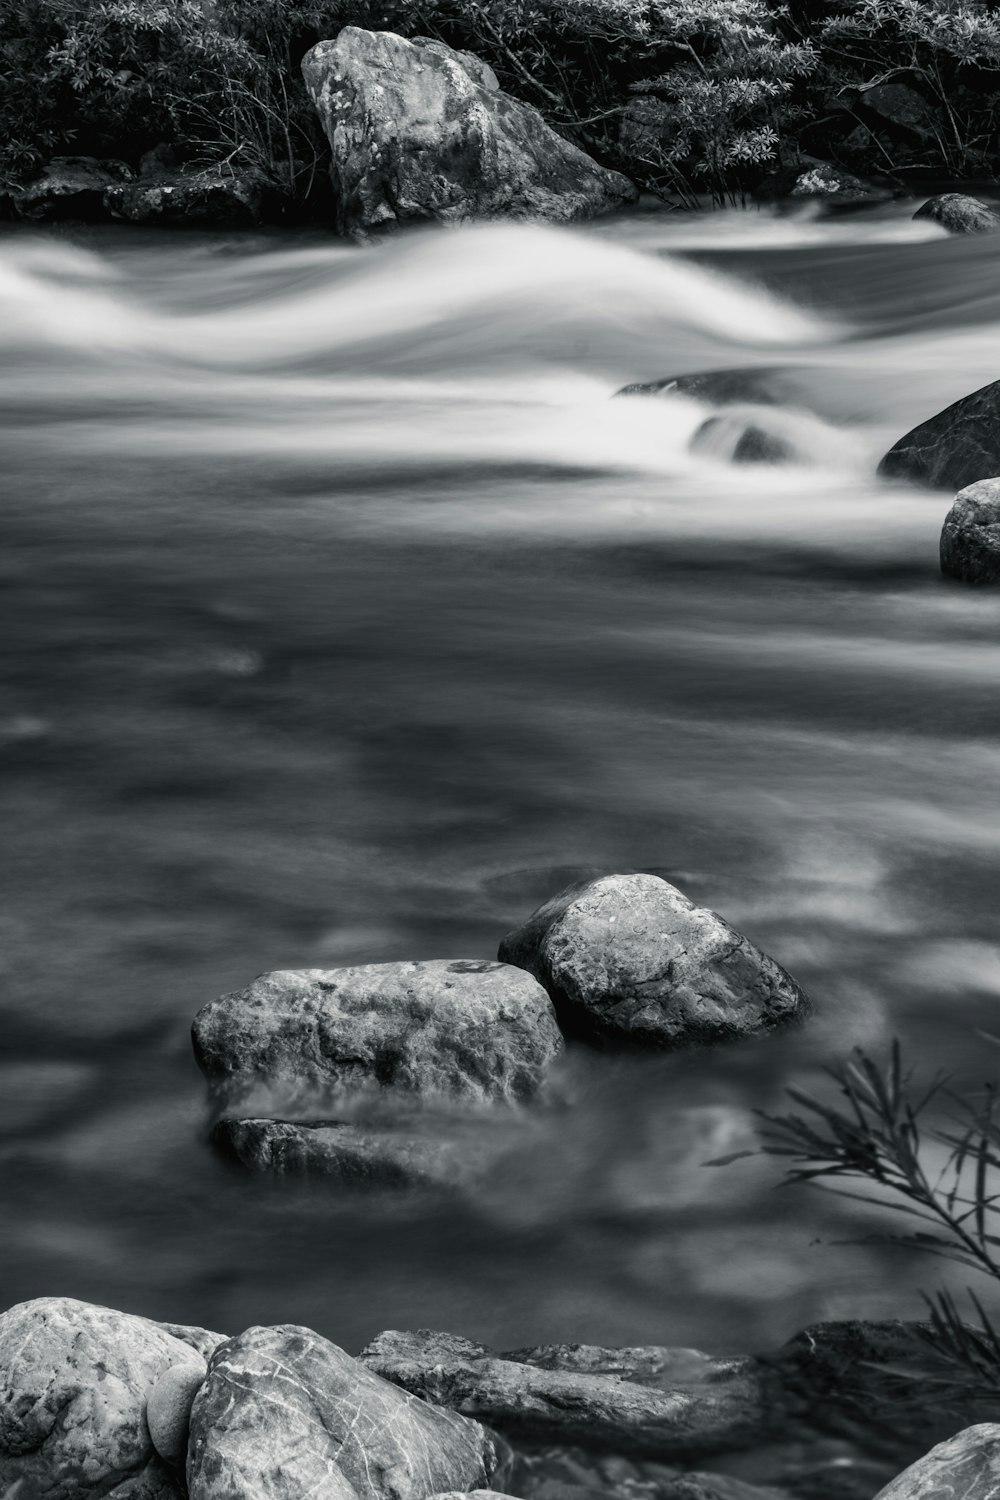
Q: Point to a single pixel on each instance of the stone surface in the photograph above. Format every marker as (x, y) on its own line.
(467, 1031)
(960, 214)
(210, 198)
(812, 178)
(965, 1467)
(74, 1383)
(168, 1409)
(418, 131)
(628, 959)
(762, 386)
(285, 1413)
(953, 449)
(639, 1401)
(71, 187)
(970, 537)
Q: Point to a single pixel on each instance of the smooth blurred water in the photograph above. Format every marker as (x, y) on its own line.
(346, 617)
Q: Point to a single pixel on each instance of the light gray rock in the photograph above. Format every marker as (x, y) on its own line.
(418, 131)
(965, 1467)
(659, 1402)
(628, 959)
(70, 187)
(168, 1409)
(953, 449)
(74, 1383)
(285, 1413)
(469, 1032)
(970, 537)
(960, 214)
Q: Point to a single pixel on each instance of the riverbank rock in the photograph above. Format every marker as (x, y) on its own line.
(468, 1031)
(628, 959)
(660, 1402)
(824, 182)
(960, 214)
(71, 187)
(953, 449)
(203, 198)
(419, 131)
(74, 1385)
(970, 537)
(285, 1413)
(966, 1467)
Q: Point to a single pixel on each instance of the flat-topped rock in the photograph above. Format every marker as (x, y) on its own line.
(628, 959)
(75, 1380)
(970, 537)
(284, 1413)
(587, 1397)
(466, 1031)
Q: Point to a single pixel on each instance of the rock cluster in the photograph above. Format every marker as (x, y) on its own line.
(161, 194)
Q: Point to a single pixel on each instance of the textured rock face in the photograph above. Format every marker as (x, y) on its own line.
(970, 537)
(966, 1467)
(284, 1413)
(468, 1031)
(636, 1401)
(71, 187)
(418, 131)
(199, 199)
(628, 959)
(953, 449)
(74, 1383)
(960, 214)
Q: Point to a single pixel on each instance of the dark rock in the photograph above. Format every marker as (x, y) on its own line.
(742, 442)
(629, 959)
(208, 198)
(680, 1405)
(74, 1385)
(160, 161)
(953, 449)
(965, 1467)
(418, 132)
(284, 1413)
(762, 387)
(821, 180)
(960, 214)
(970, 537)
(71, 187)
(895, 103)
(467, 1031)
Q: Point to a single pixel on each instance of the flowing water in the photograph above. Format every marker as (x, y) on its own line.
(346, 617)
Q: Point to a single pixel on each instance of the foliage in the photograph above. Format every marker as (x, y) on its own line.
(933, 1158)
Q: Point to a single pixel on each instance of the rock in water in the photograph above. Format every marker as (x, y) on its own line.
(966, 1467)
(970, 537)
(629, 959)
(168, 1410)
(74, 1384)
(419, 131)
(953, 449)
(821, 180)
(285, 1413)
(468, 1031)
(660, 1402)
(207, 198)
(71, 187)
(960, 214)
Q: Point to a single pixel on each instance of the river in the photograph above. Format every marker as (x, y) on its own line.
(346, 617)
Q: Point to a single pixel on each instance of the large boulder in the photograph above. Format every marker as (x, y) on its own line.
(661, 1402)
(74, 1385)
(419, 131)
(285, 1413)
(960, 214)
(465, 1031)
(970, 537)
(197, 198)
(629, 959)
(953, 449)
(965, 1467)
(70, 187)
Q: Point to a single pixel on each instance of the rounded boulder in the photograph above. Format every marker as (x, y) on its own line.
(970, 537)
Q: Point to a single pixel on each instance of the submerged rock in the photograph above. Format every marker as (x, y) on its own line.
(953, 449)
(71, 187)
(285, 1413)
(468, 1031)
(769, 386)
(74, 1384)
(202, 198)
(629, 959)
(970, 537)
(419, 131)
(960, 214)
(965, 1467)
(742, 441)
(660, 1402)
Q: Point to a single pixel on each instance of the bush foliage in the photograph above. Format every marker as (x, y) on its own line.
(687, 96)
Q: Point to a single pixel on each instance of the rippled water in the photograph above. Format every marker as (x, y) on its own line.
(346, 617)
